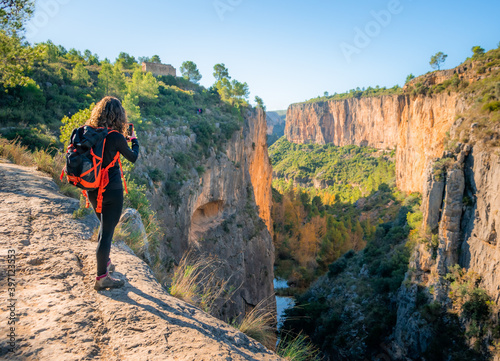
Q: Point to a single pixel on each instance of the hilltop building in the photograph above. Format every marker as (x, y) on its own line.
(158, 69)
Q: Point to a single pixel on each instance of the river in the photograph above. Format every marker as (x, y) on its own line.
(282, 303)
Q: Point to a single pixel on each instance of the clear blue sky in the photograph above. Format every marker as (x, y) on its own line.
(287, 51)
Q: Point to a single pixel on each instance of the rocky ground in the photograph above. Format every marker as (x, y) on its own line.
(59, 316)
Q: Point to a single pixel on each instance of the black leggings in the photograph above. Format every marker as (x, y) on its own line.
(112, 204)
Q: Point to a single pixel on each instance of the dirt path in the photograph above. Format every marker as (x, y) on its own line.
(59, 316)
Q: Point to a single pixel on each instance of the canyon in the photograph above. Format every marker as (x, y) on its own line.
(442, 154)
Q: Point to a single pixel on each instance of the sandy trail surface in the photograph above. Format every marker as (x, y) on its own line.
(58, 314)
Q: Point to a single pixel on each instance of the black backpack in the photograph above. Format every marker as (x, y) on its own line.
(84, 158)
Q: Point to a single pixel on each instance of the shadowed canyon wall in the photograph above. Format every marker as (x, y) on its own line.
(224, 211)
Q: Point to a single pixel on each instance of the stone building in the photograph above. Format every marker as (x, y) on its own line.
(158, 69)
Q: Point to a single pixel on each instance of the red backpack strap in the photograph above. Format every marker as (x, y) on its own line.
(123, 177)
(87, 203)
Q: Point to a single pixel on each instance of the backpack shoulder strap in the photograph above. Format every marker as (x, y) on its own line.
(117, 159)
(105, 177)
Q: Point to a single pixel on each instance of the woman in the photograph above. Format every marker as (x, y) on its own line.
(109, 113)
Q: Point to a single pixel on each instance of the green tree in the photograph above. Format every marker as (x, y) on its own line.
(105, 78)
(118, 85)
(77, 120)
(220, 72)
(189, 71)
(155, 59)
(75, 56)
(111, 81)
(131, 105)
(49, 51)
(224, 88)
(62, 50)
(81, 75)
(143, 85)
(14, 13)
(90, 58)
(409, 78)
(260, 103)
(438, 59)
(477, 52)
(16, 59)
(126, 61)
(239, 92)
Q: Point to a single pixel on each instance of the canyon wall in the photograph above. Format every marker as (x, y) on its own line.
(224, 211)
(414, 125)
(461, 208)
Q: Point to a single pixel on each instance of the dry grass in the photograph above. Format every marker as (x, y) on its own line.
(95, 235)
(52, 165)
(133, 238)
(196, 281)
(297, 348)
(260, 324)
(16, 152)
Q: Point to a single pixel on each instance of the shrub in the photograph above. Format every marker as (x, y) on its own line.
(173, 185)
(415, 219)
(297, 348)
(196, 281)
(204, 132)
(477, 308)
(337, 267)
(33, 138)
(156, 175)
(492, 106)
(259, 324)
(82, 212)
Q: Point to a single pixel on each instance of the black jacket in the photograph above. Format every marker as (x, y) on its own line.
(116, 142)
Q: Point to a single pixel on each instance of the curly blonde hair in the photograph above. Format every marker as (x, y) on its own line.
(109, 113)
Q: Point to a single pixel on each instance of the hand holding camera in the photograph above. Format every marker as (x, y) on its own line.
(130, 132)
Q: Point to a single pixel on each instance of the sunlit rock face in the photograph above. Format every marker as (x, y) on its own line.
(413, 125)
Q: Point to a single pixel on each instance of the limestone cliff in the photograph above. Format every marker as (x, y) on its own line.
(414, 125)
(58, 314)
(461, 207)
(224, 210)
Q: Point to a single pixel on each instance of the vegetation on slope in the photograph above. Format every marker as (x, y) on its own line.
(345, 173)
(481, 122)
(313, 227)
(359, 93)
(350, 311)
(66, 82)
